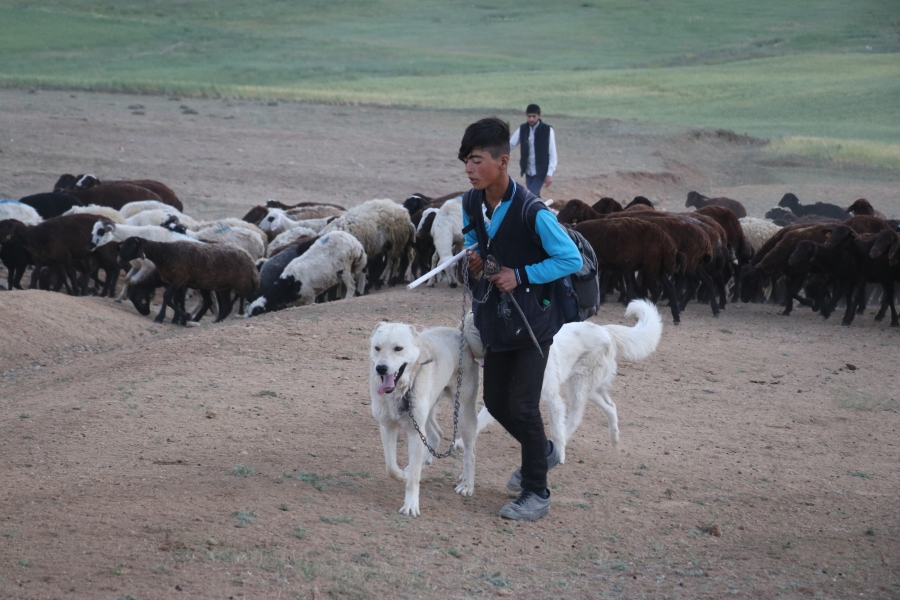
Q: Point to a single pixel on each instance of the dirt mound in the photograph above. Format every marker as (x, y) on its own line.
(40, 328)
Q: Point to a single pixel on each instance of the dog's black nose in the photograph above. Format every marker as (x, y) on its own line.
(381, 369)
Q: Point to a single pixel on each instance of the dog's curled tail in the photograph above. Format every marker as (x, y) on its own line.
(638, 342)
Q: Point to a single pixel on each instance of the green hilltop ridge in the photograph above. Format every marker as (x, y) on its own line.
(818, 69)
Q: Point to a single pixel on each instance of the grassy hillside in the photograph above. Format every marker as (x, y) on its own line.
(824, 68)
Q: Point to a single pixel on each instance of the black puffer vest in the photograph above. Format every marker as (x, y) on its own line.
(497, 320)
(541, 148)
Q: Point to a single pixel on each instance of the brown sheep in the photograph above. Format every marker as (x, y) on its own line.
(863, 207)
(576, 211)
(698, 200)
(628, 245)
(867, 224)
(640, 203)
(165, 193)
(204, 267)
(114, 195)
(692, 240)
(605, 206)
(773, 259)
(60, 243)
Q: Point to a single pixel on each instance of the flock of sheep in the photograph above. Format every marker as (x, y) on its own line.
(278, 255)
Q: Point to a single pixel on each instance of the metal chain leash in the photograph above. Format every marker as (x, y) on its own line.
(459, 370)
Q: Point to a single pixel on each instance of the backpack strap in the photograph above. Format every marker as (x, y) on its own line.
(530, 216)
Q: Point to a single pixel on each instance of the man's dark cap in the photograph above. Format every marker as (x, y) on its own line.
(533, 109)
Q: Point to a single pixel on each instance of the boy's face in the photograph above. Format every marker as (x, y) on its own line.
(532, 118)
(482, 169)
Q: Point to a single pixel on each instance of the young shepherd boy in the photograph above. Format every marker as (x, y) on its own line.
(513, 363)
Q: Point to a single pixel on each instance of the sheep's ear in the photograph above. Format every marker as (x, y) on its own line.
(892, 253)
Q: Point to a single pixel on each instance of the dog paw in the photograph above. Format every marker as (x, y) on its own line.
(398, 475)
(410, 509)
(465, 488)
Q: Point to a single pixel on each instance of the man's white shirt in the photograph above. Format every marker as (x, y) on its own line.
(530, 169)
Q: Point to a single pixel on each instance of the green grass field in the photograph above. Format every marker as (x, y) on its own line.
(815, 69)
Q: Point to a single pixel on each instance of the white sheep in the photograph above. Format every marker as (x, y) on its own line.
(287, 238)
(757, 231)
(157, 217)
(250, 241)
(12, 209)
(384, 228)
(335, 258)
(277, 222)
(133, 208)
(103, 212)
(446, 231)
(301, 213)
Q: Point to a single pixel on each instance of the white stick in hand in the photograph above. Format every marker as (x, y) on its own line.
(450, 261)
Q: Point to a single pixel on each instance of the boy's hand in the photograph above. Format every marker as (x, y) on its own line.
(548, 181)
(505, 280)
(475, 262)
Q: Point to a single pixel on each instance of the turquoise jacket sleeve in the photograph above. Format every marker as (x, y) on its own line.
(564, 259)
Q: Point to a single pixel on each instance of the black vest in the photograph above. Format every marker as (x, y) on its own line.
(499, 323)
(541, 148)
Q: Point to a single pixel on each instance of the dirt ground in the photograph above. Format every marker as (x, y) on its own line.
(240, 460)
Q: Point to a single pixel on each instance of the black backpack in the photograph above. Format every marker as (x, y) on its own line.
(580, 291)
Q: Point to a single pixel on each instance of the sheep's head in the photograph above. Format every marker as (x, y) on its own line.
(140, 297)
(101, 233)
(886, 241)
(272, 221)
(9, 230)
(173, 224)
(64, 183)
(861, 207)
(778, 213)
(839, 235)
(695, 199)
(86, 182)
(789, 200)
(804, 253)
(131, 249)
(575, 211)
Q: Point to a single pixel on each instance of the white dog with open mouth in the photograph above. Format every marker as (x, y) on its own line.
(411, 372)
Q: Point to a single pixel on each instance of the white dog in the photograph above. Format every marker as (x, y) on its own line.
(583, 361)
(411, 372)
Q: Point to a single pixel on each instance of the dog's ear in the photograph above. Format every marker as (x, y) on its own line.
(413, 331)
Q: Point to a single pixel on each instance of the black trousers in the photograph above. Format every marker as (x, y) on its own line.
(512, 394)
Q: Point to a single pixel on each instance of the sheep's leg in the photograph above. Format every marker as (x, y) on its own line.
(852, 302)
(226, 303)
(204, 305)
(168, 297)
(669, 290)
(889, 296)
(347, 281)
(359, 272)
(708, 282)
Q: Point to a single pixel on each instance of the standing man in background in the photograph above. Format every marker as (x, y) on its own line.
(538, 159)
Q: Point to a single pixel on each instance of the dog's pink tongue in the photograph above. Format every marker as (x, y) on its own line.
(387, 383)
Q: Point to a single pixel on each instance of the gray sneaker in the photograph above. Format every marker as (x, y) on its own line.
(514, 483)
(527, 507)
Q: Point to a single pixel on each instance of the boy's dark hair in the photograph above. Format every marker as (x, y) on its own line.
(533, 109)
(491, 135)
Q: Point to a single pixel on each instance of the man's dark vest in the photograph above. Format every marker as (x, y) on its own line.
(541, 148)
(498, 321)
